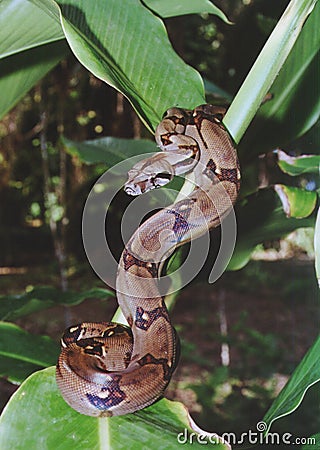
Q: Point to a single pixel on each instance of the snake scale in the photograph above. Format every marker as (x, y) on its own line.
(107, 369)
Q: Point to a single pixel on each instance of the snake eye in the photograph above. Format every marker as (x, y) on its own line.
(161, 179)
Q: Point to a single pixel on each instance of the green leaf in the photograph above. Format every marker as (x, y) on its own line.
(267, 66)
(30, 46)
(261, 218)
(22, 353)
(20, 72)
(24, 26)
(168, 8)
(296, 202)
(49, 423)
(305, 375)
(126, 46)
(43, 297)
(109, 150)
(298, 165)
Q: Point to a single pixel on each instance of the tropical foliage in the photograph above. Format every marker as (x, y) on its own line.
(125, 44)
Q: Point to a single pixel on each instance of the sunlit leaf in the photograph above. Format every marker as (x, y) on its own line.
(31, 44)
(24, 26)
(298, 165)
(127, 46)
(261, 218)
(296, 202)
(51, 421)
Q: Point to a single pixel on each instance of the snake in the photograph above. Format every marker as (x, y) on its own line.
(108, 369)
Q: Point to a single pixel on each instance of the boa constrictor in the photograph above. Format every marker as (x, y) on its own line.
(106, 369)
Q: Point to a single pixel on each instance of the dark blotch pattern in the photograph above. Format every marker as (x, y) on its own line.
(150, 359)
(91, 346)
(116, 395)
(181, 225)
(144, 323)
(230, 175)
(130, 260)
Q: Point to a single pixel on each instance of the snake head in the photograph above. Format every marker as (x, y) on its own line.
(149, 174)
(140, 182)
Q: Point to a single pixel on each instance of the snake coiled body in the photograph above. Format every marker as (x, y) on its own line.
(107, 369)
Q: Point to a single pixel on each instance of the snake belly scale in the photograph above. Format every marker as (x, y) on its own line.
(106, 369)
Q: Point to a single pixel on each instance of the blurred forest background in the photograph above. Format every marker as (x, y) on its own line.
(243, 336)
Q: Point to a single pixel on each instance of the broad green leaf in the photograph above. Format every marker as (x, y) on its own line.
(298, 165)
(268, 64)
(261, 218)
(22, 353)
(109, 150)
(43, 297)
(313, 442)
(24, 26)
(168, 8)
(20, 72)
(305, 375)
(30, 46)
(126, 46)
(296, 202)
(52, 425)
